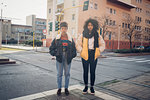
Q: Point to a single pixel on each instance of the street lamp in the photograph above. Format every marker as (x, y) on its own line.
(6, 38)
(1, 24)
(119, 37)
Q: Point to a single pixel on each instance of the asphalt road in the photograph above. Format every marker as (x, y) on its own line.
(36, 72)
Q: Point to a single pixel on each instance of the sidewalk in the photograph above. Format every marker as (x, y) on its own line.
(75, 94)
(137, 88)
(21, 47)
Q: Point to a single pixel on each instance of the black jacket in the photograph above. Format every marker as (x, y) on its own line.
(56, 49)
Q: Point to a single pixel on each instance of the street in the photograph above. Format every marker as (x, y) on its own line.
(35, 72)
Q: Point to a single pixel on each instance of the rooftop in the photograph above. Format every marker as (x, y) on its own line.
(123, 3)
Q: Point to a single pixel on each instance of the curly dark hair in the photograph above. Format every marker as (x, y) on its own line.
(94, 23)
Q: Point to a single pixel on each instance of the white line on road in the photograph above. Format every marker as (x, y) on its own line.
(129, 59)
(144, 61)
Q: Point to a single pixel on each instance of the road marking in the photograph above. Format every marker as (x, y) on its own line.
(130, 59)
(144, 61)
(51, 92)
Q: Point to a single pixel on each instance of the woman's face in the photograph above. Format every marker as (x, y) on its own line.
(90, 27)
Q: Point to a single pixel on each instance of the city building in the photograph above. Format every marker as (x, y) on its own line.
(38, 25)
(21, 33)
(113, 16)
(6, 29)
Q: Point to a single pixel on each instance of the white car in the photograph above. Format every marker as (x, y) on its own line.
(139, 47)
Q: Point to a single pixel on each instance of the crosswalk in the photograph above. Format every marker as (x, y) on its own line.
(130, 59)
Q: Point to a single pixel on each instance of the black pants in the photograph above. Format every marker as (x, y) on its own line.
(92, 62)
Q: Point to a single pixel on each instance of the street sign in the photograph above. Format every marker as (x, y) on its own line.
(44, 31)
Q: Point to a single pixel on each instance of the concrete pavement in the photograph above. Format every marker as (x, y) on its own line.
(75, 94)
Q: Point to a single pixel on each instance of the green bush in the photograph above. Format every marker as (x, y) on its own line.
(36, 43)
(131, 51)
(12, 41)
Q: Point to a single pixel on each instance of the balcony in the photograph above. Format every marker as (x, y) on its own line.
(124, 3)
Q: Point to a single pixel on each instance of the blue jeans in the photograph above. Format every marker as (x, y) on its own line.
(60, 67)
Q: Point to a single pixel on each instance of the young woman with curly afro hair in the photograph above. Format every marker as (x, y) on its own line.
(90, 44)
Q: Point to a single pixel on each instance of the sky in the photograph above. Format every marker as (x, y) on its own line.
(19, 9)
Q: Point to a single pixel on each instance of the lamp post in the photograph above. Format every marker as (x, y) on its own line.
(54, 18)
(119, 37)
(1, 24)
(18, 38)
(6, 38)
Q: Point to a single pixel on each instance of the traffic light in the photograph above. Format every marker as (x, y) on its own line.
(86, 5)
(31, 33)
(56, 25)
(50, 26)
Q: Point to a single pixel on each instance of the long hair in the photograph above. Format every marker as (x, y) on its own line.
(94, 31)
(94, 23)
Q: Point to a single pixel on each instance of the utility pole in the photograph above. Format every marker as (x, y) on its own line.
(33, 39)
(119, 37)
(1, 24)
(6, 38)
(1, 30)
(54, 17)
(18, 38)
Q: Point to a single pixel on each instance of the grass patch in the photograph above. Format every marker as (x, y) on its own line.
(108, 82)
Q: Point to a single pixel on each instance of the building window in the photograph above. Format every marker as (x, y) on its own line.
(73, 17)
(22, 37)
(114, 11)
(139, 19)
(110, 23)
(128, 25)
(139, 1)
(147, 21)
(148, 13)
(111, 10)
(138, 9)
(114, 23)
(106, 21)
(125, 25)
(49, 11)
(122, 25)
(95, 6)
(138, 28)
(110, 36)
(147, 30)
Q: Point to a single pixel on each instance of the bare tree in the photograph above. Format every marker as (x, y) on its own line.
(104, 24)
(148, 32)
(129, 29)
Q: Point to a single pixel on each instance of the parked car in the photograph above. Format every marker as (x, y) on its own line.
(147, 47)
(139, 47)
